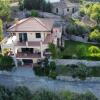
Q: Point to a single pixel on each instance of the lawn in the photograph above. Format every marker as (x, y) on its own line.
(78, 50)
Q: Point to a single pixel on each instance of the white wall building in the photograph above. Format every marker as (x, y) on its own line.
(29, 39)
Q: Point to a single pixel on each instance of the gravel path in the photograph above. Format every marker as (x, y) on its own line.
(35, 83)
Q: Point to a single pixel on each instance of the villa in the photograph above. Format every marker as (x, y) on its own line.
(29, 38)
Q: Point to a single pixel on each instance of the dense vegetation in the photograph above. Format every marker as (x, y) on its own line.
(78, 50)
(4, 9)
(46, 68)
(1, 30)
(41, 5)
(76, 27)
(6, 63)
(78, 70)
(23, 93)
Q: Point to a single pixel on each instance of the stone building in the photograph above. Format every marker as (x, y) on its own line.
(65, 7)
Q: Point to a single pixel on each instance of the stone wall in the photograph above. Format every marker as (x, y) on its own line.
(75, 61)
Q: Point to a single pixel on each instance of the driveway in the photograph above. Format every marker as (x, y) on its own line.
(24, 72)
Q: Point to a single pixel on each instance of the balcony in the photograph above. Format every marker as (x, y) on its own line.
(22, 55)
(48, 39)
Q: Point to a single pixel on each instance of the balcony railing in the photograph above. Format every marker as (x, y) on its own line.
(27, 55)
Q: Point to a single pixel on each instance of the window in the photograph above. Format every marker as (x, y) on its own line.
(23, 37)
(38, 35)
(73, 10)
(56, 10)
(67, 9)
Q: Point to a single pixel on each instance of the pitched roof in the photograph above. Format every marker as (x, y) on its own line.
(32, 25)
(64, 4)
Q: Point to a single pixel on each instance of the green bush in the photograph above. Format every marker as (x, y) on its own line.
(81, 71)
(52, 65)
(6, 63)
(4, 93)
(38, 70)
(21, 93)
(94, 50)
(81, 50)
(86, 96)
(52, 74)
(45, 95)
(41, 71)
(34, 13)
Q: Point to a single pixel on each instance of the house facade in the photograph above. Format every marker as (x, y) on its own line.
(29, 39)
(65, 8)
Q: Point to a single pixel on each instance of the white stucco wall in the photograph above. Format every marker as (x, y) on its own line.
(32, 36)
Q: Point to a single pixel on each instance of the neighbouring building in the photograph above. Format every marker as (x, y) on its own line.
(29, 38)
(65, 7)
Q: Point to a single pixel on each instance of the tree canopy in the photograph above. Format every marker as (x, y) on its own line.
(4, 9)
(35, 4)
(92, 10)
(1, 30)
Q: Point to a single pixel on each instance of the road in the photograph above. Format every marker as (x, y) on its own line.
(37, 83)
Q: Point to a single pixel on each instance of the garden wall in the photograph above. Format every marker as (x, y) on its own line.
(75, 61)
(78, 38)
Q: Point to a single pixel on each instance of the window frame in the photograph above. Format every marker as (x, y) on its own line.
(38, 35)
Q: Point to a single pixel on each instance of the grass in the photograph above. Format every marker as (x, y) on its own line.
(78, 50)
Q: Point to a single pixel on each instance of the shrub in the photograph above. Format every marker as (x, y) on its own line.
(34, 13)
(93, 50)
(52, 74)
(4, 93)
(81, 71)
(45, 95)
(95, 35)
(52, 65)
(38, 70)
(41, 71)
(21, 93)
(81, 50)
(6, 63)
(86, 96)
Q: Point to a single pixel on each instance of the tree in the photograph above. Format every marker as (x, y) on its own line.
(53, 50)
(1, 30)
(4, 9)
(92, 10)
(42, 5)
(95, 12)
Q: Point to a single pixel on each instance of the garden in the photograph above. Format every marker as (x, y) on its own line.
(51, 70)
(79, 50)
(23, 93)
